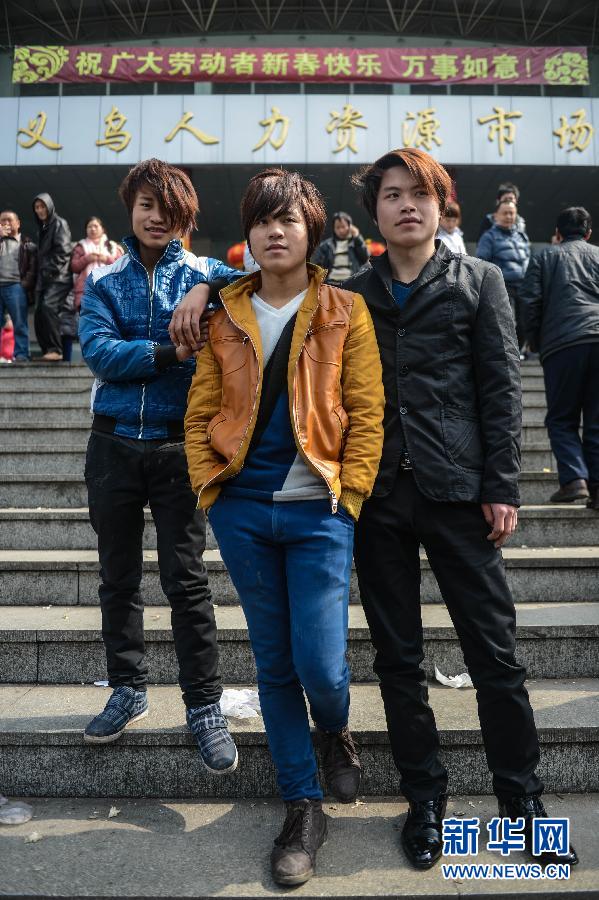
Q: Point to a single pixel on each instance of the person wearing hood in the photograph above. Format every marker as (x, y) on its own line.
(508, 246)
(54, 278)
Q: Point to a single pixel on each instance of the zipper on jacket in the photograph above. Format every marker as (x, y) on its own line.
(151, 288)
(246, 338)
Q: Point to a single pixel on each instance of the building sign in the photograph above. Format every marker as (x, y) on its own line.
(297, 129)
(458, 65)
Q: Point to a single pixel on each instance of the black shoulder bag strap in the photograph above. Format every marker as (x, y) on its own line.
(274, 381)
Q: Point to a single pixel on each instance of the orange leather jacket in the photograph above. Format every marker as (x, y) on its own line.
(336, 397)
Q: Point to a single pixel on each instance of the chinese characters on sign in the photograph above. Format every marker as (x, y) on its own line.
(35, 132)
(345, 124)
(578, 135)
(462, 65)
(500, 127)
(563, 131)
(461, 836)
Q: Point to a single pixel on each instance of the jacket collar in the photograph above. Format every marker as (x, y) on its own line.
(172, 252)
(437, 265)
(237, 300)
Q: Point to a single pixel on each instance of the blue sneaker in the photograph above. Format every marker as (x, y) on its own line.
(125, 705)
(217, 748)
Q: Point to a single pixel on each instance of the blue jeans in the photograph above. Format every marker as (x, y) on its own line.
(291, 566)
(13, 300)
(571, 379)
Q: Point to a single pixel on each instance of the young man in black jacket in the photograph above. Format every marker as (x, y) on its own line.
(448, 480)
(560, 295)
(54, 276)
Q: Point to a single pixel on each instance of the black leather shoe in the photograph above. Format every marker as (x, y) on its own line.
(340, 763)
(574, 490)
(593, 501)
(421, 837)
(529, 807)
(304, 832)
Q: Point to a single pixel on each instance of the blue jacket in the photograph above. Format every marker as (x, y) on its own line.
(507, 248)
(123, 319)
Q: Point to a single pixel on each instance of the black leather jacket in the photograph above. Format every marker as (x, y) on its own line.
(451, 372)
(561, 296)
(54, 247)
(357, 253)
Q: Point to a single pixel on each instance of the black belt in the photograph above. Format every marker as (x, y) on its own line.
(107, 425)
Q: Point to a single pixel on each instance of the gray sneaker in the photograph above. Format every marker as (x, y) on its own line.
(125, 705)
(215, 745)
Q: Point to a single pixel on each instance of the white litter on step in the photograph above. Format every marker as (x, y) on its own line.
(242, 704)
(14, 813)
(101, 683)
(112, 812)
(454, 681)
(33, 838)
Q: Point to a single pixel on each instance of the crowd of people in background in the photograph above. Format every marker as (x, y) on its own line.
(48, 275)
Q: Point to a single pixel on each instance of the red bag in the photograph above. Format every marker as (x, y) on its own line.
(7, 342)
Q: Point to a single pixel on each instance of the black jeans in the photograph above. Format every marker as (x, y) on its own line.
(49, 304)
(123, 475)
(472, 581)
(513, 290)
(572, 390)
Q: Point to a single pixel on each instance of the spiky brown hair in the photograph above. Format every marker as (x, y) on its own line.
(171, 185)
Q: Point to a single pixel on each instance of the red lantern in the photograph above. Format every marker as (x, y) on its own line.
(235, 255)
(375, 248)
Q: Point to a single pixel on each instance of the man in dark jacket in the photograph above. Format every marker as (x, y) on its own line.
(18, 269)
(343, 253)
(54, 277)
(448, 480)
(506, 244)
(561, 297)
(506, 191)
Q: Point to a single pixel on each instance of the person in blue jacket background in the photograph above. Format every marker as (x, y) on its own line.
(136, 456)
(507, 245)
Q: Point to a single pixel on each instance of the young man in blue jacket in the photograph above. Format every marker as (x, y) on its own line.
(136, 457)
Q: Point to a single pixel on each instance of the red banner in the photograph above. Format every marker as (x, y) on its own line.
(457, 65)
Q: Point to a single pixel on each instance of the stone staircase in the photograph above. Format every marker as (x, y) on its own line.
(51, 650)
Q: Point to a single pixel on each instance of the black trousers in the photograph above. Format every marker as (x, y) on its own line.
(49, 303)
(513, 290)
(572, 390)
(123, 475)
(472, 581)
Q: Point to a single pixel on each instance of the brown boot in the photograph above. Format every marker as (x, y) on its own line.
(304, 832)
(574, 490)
(341, 764)
(593, 501)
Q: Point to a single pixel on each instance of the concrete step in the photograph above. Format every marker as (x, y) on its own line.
(53, 529)
(63, 644)
(65, 490)
(76, 412)
(42, 749)
(533, 383)
(70, 458)
(66, 459)
(24, 436)
(45, 400)
(70, 577)
(151, 850)
(62, 415)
